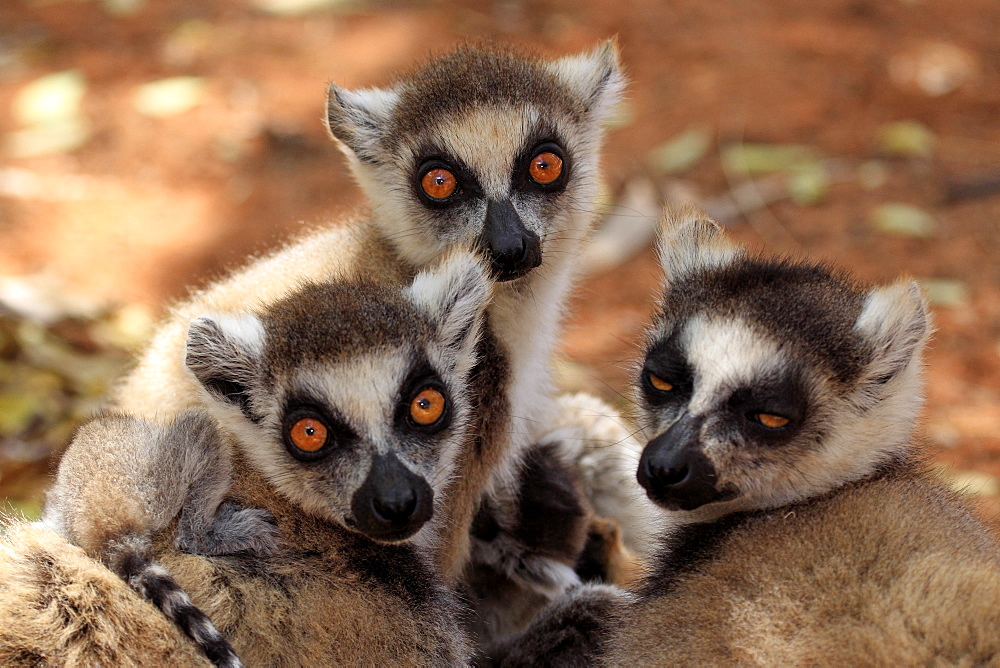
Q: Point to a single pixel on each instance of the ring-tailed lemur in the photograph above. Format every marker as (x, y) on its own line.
(782, 397)
(342, 407)
(481, 147)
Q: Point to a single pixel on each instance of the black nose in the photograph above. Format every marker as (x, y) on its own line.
(675, 471)
(663, 474)
(393, 503)
(513, 249)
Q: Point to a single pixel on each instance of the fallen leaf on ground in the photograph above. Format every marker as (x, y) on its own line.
(903, 220)
(971, 483)
(906, 139)
(300, 7)
(946, 292)
(169, 97)
(50, 99)
(809, 184)
(766, 158)
(49, 139)
(682, 152)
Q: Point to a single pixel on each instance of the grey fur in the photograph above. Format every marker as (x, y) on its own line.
(483, 112)
(235, 529)
(525, 542)
(571, 632)
(431, 114)
(155, 584)
(489, 134)
(801, 340)
(182, 469)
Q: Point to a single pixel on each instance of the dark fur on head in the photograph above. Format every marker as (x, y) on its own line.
(473, 75)
(811, 307)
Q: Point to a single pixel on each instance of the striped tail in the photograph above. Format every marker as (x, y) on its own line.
(155, 584)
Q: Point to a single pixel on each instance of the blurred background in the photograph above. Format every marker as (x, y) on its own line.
(148, 145)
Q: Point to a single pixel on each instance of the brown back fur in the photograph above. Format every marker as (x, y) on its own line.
(893, 570)
(60, 607)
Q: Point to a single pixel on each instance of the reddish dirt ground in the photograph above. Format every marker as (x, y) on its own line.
(150, 206)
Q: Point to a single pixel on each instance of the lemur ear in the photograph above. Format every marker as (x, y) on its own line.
(895, 323)
(358, 119)
(690, 241)
(454, 294)
(596, 76)
(224, 352)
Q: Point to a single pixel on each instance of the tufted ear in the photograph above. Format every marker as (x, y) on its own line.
(454, 294)
(225, 352)
(690, 241)
(359, 119)
(895, 324)
(596, 76)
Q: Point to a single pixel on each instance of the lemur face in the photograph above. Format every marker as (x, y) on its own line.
(366, 437)
(766, 381)
(350, 397)
(725, 403)
(508, 198)
(481, 149)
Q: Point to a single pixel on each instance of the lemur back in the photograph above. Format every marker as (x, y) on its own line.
(480, 148)
(341, 409)
(806, 525)
(61, 607)
(890, 570)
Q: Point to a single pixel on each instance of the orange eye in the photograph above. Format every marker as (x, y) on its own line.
(439, 183)
(308, 434)
(659, 383)
(546, 168)
(427, 407)
(771, 421)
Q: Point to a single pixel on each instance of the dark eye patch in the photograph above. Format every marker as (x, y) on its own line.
(421, 376)
(432, 158)
(781, 395)
(544, 141)
(339, 433)
(667, 362)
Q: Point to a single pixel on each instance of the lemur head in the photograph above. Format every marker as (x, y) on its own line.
(481, 147)
(349, 396)
(768, 381)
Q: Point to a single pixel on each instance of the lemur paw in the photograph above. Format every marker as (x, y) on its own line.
(236, 529)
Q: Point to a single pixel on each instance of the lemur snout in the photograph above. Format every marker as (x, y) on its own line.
(676, 473)
(513, 249)
(393, 503)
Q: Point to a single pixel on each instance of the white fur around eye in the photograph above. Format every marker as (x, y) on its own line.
(747, 355)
